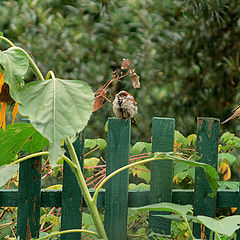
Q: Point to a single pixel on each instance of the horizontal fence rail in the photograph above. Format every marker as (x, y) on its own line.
(136, 198)
(29, 196)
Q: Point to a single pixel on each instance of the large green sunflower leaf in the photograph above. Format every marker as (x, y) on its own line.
(20, 136)
(15, 64)
(57, 109)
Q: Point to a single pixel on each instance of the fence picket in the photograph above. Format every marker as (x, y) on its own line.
(207, 149)
(161, 171)
(71, 195)
(29, 189)
(116, 194)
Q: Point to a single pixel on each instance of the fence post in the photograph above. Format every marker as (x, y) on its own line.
(29, 190)
(207, 149)
(161, 171)
(116, 194)
(71, 195)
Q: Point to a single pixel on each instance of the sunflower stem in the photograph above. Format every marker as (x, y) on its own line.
(32, 65)
(50, 74)
(31, 62)
(85, 192)
(67, 231)
(8, 41)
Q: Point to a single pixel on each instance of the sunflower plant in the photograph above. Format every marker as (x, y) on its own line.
(57, 109)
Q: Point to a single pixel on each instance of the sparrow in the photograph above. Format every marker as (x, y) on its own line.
(124, 106)
(236, 114)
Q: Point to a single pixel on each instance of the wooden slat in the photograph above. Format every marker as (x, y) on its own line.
(28, 214)
(116, 197)
(71, 195)
(207, 149)
(161, 171)
(53, 198)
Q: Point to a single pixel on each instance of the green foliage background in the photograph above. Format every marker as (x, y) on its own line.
(186, 52)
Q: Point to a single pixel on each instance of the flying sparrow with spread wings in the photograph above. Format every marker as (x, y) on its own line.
(124, 105)
(236, 114)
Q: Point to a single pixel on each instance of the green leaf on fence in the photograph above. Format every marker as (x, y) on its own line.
(192, 138)
(90, 143)
(63, 109)
(227, 156)
(91, 162)
(20, 136)
(182, 210)
(15, 64)
(141, 171)
(175, 217)
(231, 185)
(226, 226)
(6, 172)
(179, 138)
(227, 136)
(139, 147)
(101, 143)
(139, 187)
(180, 167)
(210, 172)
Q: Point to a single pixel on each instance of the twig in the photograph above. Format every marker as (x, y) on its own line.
(92, 151)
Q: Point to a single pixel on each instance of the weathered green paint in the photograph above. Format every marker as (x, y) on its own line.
(53, 198)
(207, 149)
(29, 189)
(161, 171)
(116, 197)
(71, 195)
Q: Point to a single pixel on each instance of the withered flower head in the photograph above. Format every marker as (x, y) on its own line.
(135, 78)
(5, 99)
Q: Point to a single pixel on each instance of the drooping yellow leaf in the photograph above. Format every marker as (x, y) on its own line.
(233, 209)
(1, 81)
(2, 115)
(225, 170)
(175, 179)
(14, 112)
(177, 145)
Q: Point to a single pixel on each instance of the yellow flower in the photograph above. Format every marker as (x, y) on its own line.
(5, 98)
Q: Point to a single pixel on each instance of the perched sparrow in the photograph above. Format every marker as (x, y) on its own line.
(235, 115)
(124, 105)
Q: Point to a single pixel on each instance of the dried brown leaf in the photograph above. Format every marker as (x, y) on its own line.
(135, 79)
(125, 63)
(98, 102)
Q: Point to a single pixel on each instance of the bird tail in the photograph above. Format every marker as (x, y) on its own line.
(134, 121)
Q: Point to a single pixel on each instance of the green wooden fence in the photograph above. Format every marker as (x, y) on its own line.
(116, 198)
